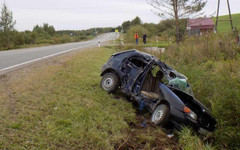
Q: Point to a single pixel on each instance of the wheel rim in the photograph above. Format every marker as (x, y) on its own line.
(157, 116)
(108, 82)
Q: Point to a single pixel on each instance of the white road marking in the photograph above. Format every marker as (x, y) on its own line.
(48, 56)
(59, 53)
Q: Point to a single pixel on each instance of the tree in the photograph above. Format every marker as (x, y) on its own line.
(136, 21)
(126, 25)
(49, 29)
(6, 21)
(6, 27)
(177, 9)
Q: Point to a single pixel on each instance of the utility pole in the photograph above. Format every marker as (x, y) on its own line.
(230, 15)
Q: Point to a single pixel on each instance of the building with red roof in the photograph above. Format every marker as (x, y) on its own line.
(200, 26)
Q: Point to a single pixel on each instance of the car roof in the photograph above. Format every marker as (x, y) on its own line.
(134, 53)
(120, 56)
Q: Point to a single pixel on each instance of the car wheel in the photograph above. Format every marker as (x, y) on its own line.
(160, 115)
(109, 82)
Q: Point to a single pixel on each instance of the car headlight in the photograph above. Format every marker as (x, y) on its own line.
(190, 113)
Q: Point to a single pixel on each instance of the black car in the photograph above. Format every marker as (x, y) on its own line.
(158, 88)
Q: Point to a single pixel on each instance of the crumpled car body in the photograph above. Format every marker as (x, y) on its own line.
(169, 99)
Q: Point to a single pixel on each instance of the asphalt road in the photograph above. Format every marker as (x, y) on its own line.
(13, 59)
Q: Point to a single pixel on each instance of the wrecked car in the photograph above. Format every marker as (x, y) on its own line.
(157, 87)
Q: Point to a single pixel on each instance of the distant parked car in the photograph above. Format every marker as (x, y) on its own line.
(159, 88)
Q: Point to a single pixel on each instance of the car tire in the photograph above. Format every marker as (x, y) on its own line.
(109, 82)
(160, 115)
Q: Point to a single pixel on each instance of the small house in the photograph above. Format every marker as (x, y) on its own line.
(200, 26)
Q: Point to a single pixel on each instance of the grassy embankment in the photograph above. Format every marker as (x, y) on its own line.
(59, 105)
(224, 26)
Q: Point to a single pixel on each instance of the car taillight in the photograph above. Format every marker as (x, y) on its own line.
(186, 110)
(190, 113)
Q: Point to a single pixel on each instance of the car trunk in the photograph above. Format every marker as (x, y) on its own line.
(205, 119)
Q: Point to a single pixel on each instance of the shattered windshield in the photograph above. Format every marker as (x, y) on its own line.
(182, 85)
(175, 79)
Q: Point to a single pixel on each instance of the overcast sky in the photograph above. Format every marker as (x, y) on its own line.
(84, 14)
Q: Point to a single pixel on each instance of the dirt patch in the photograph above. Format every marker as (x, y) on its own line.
(148, 137)
(145, 135)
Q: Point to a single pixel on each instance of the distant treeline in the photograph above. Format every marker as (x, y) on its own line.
(88, 32)
(46, 34)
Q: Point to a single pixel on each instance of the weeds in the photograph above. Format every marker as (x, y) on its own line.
(190, 141)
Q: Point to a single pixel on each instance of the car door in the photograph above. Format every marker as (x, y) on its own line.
(131, 69)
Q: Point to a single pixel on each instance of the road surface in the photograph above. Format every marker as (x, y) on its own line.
(12, 59)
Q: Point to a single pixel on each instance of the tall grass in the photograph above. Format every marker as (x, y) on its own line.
(201, 49)
(212, 64)
(189, 141)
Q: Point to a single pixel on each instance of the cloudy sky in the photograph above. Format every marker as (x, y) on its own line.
(84, 14)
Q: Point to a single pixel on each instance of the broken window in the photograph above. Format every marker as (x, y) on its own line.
(137, 62)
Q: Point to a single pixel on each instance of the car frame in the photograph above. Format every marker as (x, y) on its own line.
(130, 71)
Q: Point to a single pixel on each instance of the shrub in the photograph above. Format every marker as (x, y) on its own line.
(18, 38)
(44, 41)
(62, 39)
(203, 48)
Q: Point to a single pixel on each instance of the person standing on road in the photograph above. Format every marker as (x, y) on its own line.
(136, 38)
(145, 38)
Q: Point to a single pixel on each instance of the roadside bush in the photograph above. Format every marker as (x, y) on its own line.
(80, 38)
(44, 41)
(18, 38)
(6, 40)
(62, 39)
(203, 48)
(30, 37)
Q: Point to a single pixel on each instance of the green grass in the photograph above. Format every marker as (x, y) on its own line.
(62, 107)
(58, 104)
(224, 26)
(189, 141)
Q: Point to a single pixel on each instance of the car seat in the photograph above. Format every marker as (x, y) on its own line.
(150, 88)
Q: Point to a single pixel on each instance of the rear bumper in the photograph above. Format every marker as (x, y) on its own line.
(185, 120)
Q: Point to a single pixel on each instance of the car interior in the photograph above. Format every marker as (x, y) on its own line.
(150, 88)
